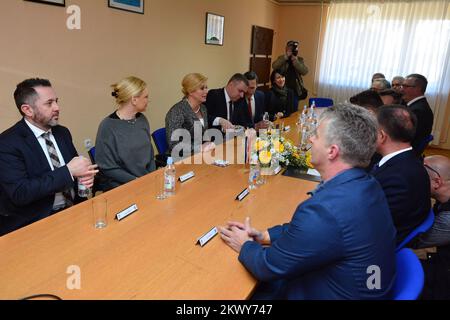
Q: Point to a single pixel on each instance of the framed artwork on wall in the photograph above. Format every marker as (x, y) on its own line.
(214, 29)
(61, 3)
(128, 5)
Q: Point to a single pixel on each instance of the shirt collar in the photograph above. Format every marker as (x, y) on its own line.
(414, 100)
(38, 132)
(389, 156)
(227, 97)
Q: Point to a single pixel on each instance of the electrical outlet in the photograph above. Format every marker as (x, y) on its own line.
(88, 143)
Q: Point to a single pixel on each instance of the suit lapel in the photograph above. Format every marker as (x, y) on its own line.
(62, 145)
(32, 142)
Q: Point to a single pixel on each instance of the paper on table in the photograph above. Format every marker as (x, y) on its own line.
(313, 172)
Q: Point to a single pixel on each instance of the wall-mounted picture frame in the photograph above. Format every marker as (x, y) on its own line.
(214, 29)
(136, 6)
(61, 3)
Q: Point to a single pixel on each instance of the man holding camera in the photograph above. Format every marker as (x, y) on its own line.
(294, 68)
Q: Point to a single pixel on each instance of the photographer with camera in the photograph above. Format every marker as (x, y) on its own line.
(294, 68)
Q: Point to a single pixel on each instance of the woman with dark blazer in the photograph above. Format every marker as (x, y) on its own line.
(279, 100)
(188, 114)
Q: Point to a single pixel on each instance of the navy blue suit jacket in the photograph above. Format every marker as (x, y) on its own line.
(333, 239)
(259, 109)
(27, 183)
(406, 185)
(217, 107)
(424, 115)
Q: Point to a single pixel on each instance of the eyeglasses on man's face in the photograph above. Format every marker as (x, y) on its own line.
(431, 169)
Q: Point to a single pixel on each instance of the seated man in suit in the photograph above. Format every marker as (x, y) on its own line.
(38, 160)
(400, 172)
(438, 168)
(253, 103)
(334, 237)
(413, 90)
(223, 110)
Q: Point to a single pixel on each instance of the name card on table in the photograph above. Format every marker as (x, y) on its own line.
(206, 237)
(186, 176)
(243, 194)
(277, 170)
(126, 212)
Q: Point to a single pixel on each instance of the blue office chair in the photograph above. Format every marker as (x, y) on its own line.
(159, 137)
(321, 102)
(422, 228)
(410, 276)
(421, 147)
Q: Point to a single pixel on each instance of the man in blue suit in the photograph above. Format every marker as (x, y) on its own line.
(38, 160)
(400, 172)
(253, 104)
(338, 237)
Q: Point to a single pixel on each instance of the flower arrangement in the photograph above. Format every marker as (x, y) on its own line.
(274, 150)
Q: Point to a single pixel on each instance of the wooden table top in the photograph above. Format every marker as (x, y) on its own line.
(151, 254)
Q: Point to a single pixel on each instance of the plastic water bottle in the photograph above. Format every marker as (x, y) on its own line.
(169, 178)
(303, 116)
(83, 191)
(255, 172)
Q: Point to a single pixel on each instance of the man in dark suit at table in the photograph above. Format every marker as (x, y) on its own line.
(338, 235)
(38, 160)
(400, 172)
(413, 90)
(253, 103)
(223, 110)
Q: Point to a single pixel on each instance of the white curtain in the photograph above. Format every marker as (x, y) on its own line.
(391, 37)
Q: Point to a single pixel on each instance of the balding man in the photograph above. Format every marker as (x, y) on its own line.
(438, 168)
(400, 172)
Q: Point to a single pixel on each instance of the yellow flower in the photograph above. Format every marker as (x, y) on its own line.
(260, 144)
(278, 146)
(265, 157)
(308, 160)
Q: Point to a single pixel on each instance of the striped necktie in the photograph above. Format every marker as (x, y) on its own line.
(56, 164)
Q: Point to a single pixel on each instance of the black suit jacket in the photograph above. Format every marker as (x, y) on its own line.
(27, 183)
(259, 109)
(424, 115)
(273, 104)
(216, 106)
(406, 185)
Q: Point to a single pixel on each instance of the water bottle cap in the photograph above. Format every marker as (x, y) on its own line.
(169, 160)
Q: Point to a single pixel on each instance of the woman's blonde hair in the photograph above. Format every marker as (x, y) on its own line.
(192, 82)
(127, 88)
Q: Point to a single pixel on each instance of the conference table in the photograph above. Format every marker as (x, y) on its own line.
(152, 253)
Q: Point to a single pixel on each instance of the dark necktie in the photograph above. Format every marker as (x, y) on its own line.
(230, 109)
(56, 164)
(250, 108)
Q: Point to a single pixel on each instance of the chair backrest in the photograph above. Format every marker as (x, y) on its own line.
(91, 153)
(422, 228)
(159, 137)
(321, 102)
(410, 277)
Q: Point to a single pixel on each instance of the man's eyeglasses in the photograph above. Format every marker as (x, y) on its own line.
(431, 169)
(407, 86)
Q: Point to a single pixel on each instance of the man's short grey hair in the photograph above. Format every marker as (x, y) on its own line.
(399, 78)
(354, 129)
